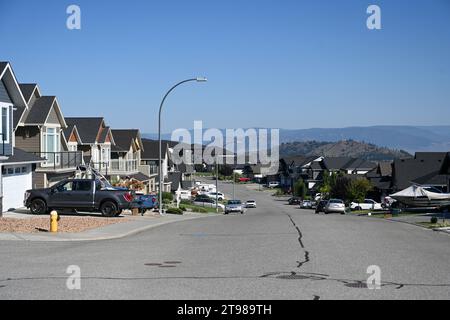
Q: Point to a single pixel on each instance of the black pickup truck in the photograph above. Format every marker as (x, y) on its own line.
(79, 194)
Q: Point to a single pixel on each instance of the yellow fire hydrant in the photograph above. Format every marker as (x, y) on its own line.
(54, 221)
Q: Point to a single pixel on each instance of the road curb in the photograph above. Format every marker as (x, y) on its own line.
(39, 238)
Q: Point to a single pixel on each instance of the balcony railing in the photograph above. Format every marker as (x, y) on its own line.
(61, 160)
(117, 166)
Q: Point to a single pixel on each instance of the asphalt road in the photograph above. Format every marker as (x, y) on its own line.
(272, 252)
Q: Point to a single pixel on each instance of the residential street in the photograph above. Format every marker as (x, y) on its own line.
(272, 252)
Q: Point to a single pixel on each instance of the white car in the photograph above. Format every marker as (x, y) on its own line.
(250, 204)
(273, 184)
(219, 195)
(368, 204)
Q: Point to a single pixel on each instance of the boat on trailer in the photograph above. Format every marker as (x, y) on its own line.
(418, 196)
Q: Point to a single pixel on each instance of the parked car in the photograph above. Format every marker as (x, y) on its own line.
(145, 202)
(250, 204)
(321, 206)
(273, 184)
(368, 204)
(334, 205)
(313, 205)
(219, 196)
(294, 201)
(208, 203)
(234, 206)
(244, 180)
(306, 204)
(79, 194)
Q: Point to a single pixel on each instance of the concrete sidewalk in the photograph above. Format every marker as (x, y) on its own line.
(119, 230)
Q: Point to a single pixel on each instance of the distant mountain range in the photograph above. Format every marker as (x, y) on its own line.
(409, 138)
(347, 148)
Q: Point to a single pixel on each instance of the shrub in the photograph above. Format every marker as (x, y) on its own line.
(185, 202)
(278, 192)
(167, 196)
(199, 210)
(174, 211)
(300, 189)
(434, 220)
(183, 208)
(166, 201)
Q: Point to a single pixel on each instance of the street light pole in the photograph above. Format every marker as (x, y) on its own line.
(160, 175)
(217, 180)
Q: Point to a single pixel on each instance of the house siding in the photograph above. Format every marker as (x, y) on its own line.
(4, 96)
(28, 139)
(53, 117)
(38, 180)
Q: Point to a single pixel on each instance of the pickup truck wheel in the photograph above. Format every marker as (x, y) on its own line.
(109, 209)
(38, 206)
(358, 208)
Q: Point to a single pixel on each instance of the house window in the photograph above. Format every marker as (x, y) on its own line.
(24, 170)
(51, 145)
(4, 124)
(17, 170)
(106, 155)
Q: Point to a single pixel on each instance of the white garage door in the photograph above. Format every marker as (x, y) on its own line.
(16, 180)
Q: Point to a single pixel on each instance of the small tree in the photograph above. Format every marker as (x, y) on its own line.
(340, 188)
(226, 170)
(167, 196)
(358, 189)
(328, 183)
(300, 189)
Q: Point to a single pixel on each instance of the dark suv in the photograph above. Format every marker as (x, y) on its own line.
(321, 206)
(79, 194)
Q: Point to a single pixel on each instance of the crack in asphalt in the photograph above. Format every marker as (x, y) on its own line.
(272, 275)
(300, 240)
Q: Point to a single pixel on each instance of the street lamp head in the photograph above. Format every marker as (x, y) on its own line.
(201, 79)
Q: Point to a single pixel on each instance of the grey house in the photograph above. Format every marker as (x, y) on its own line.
(16, 166)
(39, 130)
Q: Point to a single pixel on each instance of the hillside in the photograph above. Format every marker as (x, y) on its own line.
(409, 138)
(344, 148)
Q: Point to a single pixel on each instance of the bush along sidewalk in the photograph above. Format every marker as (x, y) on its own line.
(174, 210)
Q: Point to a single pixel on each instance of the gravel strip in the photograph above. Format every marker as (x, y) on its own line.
(65, 224)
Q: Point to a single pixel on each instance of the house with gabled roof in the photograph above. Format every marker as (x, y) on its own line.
(149, 162)
(39, 130)
(125, 160)
(16, 166)
(424, 169)
(91, 136)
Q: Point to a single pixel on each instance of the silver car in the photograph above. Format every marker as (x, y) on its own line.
(234, 206)
(334, 206)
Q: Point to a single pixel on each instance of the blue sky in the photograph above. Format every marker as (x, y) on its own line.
(287, 64)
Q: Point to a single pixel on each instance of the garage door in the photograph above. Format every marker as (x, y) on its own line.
(16, 180)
